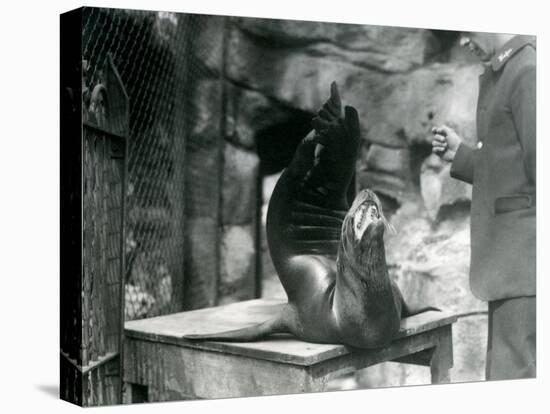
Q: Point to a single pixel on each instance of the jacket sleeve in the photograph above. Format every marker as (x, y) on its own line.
(523, 104)
(462, 167)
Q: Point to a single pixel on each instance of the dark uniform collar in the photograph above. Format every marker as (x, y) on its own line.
(509, 49)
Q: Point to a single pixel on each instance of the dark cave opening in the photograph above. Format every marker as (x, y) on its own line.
(276, 144)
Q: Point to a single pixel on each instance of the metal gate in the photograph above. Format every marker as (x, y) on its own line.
(96, 368)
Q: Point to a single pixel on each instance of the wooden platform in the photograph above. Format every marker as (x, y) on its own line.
(160, 365)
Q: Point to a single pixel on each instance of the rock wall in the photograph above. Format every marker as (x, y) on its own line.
(222, 175)
(402, 82)
(239, 248)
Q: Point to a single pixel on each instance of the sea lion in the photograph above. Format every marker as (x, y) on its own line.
(330, 258)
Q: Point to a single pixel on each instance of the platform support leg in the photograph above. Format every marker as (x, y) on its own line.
(442, 357)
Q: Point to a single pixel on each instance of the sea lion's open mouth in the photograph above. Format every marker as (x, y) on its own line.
(365, 215)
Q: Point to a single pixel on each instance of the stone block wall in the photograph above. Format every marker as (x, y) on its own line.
(239, 246)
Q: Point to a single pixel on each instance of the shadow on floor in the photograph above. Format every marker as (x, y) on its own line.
(49, 389)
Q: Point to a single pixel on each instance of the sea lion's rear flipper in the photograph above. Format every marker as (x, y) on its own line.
(248, 334)
(406, 309)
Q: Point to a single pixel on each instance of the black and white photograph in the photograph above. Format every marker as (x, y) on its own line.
(258, 206)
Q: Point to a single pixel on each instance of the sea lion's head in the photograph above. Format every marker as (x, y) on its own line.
(364, 227)
(365, 219)
(363, 276)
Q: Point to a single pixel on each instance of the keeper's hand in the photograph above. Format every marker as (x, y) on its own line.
(445, 142)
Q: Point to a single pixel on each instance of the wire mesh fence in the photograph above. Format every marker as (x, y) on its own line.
(161, 60)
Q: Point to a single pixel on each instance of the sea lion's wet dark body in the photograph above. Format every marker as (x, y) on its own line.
(330, 258)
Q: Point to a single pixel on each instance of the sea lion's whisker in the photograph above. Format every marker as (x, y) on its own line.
(307, 218)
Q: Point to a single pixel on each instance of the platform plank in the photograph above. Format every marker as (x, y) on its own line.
(170, 329)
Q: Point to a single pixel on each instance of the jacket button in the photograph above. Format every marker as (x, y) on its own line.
(480, 145)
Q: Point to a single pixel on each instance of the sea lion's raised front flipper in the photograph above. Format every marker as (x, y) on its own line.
(335, 153)
(310, 199)
(329, 114)
(309, 202)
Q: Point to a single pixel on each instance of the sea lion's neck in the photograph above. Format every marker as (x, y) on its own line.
(371, 267)
(363, 294)
(364, 271)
